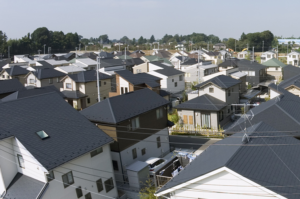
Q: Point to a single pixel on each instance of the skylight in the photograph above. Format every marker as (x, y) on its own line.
(42, 134)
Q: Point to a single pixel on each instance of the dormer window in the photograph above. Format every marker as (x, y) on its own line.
(42, 134)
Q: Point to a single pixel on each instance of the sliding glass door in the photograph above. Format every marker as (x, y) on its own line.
(205, 120)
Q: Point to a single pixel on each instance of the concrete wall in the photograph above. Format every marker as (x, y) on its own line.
(235, 187)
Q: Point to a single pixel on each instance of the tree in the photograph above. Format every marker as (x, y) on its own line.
(40, 37)
(231, 43)
(152, 39)
(141, 40)
(148, 191)
(243, 37)
(104, 38)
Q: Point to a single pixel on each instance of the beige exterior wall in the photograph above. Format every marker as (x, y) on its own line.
(4, 76)
(142, 67)
(91, 90)
(294, 90)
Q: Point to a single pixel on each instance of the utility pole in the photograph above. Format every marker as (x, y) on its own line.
(119, 46)
(98, 85)
(76, 51)
(199, 65)
(8, 51)
(125, 53)
(253, 53)
(247, 46)
(49, 50)
(79, 47)
(235, 45)
(39, 53)
(262, 50)
(85, 48)
(277, 52)
(44, 49)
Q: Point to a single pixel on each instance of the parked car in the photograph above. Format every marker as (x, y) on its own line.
(155, 164)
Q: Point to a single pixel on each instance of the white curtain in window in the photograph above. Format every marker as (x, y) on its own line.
(205, 120)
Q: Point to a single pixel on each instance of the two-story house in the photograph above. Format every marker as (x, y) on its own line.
(214, 57)
(173, 80)
(81, 88)
(274, 68)
(44, 77)
(219, 46)
(293, 58)
(212, 108)
(86, 63)
(266, 56)
(14, 72)
(9, 86)
(245, 54)
(137, 121)
(52, 151)
(126, 82)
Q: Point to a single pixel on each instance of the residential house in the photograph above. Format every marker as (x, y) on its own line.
(219, 46)
(244, 165)
(56, 63)
(281, 112)
(106, 55)
(266, 56)
(52, 151)
(180, 46)
(81, 89)
(9, 86)
(293, 58)
(14, 72)
(24, 58)
(44, 77)
(290, 71)
(43, 64)
(71, 69)
(213, 106)
(247, 54)
(90, 55)
(136, 55)
(154, 58)
(173, 80)
(141, 68)
(256, 73)
(119, 53)
(108, 46)
(162, 54)
(137, 121)
(86, 63)
(274, 69)
(228, 64)
(214, 57)
(225, 55)
(67, 57)
(292, 85)
(139, 51)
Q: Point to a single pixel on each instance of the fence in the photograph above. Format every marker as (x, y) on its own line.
(196, 130)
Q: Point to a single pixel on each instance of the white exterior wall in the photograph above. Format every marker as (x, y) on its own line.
(273, 94)
(37, 81)
(235, 187)
(149, 144)
(101, 161)
(218, 93)
(123, 83)
(273, 69)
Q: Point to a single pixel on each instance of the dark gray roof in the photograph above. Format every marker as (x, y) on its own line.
(140, 78)
(229, 63)
(164, 93)
(2, 63)
(73, 94)
(106, 55)
(213, 53)
(31, 92)
(70, 134)
(46, 73)
(16, 70)
(90, 55)
(290, 71)
(273, 163)
(89, 76)
(119, 108)
(281, 112)
(45, 65)
(164, 54)
(166, 70)
(23, 187)
(105, 63)
(10, 86)
(204, 102)
(244, 64)
(295, 81)
(138, 61)
(221, 81)
(119, 53)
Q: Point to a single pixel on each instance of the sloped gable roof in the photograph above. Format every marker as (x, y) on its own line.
(140, 78)
(10, 85)
(16, 70)
(47, 73)
(221, 81)
(88, 76)
(274, 63)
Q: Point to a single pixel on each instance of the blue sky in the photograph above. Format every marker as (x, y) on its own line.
(133, 18)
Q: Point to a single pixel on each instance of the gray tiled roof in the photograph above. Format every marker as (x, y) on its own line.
(166, 70)
(89, 76)
(31, 92)
(119, 108)
(23, 187)
(16, 70)
(246, 65)
(281, 112)
(45, 64)
(203, 102)
(273, 163)
(47, 73)
(73, 94)
(221, 81)
(140, 78)
(70, 134)
(290, 71)
(213, 53)
(291, 81)
(164, 93)
(10, 85)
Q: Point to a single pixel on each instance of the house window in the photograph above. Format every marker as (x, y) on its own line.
(68, 86)
(50, 81)
(221, 116)
(172, 80)
(251, 73)
(268, 56)
(88, 100)
(135, 123)
(115, 165)
(276, 68)
(21, 161)
(68, 179)
(99, 185)
(96, 152)
(143, 151)
(294, 56)
(109, 185)
(42, 134)
(3, 76)
(185, 119)
(175, 84)
(205, 119)
(57, 79)
(232, 89)
(88, 196)
(228, 92)
(191, 120)
(159, 113)
(180, 77)
(50, 176)
(134, 154)
(211, 90)
(122, 90)
(158, 142)
(205, 72)
(31, 81)
(79, 192)
(228, 111)
(126, 90)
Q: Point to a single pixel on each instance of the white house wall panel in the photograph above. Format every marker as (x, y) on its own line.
(218, 92)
